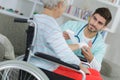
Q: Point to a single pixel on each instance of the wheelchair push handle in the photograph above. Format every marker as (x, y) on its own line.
(21, 20)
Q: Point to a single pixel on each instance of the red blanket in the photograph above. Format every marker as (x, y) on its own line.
(95, 75)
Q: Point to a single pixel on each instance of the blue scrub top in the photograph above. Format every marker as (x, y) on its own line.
(98, 48)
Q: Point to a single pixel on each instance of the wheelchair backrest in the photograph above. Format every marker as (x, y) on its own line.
(29, 39)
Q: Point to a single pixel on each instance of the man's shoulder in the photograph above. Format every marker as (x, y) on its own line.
(100, 40)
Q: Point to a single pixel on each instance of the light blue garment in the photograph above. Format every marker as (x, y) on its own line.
(50, 40)
(98, 48)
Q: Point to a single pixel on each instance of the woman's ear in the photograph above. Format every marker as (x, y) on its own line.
(60, 4)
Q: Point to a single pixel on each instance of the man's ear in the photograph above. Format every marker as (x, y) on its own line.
(90, 17)
(104, 27)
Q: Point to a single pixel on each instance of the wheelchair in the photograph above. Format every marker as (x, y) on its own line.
(21, 69)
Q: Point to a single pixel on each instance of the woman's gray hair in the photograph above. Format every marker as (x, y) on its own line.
(50, 3)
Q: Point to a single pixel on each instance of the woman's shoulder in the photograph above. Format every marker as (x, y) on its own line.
(73, 25)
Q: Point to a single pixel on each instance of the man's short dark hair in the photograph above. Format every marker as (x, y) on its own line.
(104, 12)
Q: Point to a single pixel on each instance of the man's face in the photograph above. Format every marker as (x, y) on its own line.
(96, 23)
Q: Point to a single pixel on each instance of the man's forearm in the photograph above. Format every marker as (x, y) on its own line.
(74, 46)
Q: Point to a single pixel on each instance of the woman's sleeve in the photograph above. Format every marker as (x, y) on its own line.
(58, 44)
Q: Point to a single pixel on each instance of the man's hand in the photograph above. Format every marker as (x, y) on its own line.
(87, 53)
(66, 36)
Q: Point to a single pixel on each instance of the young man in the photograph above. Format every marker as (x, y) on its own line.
(50, 40)
(90, 33)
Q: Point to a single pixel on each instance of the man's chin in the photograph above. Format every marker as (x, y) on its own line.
(92, 31)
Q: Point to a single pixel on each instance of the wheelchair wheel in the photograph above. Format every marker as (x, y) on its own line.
(20, 70)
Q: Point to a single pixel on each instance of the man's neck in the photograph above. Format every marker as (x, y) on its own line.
(89, 34)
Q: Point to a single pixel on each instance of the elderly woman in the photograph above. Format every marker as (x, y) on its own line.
(50, 40)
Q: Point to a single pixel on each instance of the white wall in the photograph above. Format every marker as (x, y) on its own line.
(113, 53)
(111, 62)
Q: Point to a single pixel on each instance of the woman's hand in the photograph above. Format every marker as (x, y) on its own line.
(84, 69)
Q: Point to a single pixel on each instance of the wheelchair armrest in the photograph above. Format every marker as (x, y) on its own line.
(22, 20)
(82, 59)
(56, 60)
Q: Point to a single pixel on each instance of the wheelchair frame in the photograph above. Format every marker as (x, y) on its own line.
(28, 54)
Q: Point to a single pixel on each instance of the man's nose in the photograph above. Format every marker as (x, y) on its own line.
(95, 23)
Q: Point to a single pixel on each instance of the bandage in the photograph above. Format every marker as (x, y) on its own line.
(82, 44)
(71, 35)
